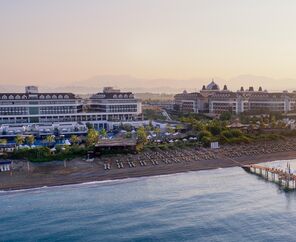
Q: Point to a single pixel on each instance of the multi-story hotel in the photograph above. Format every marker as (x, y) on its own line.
(32, 107)
(218, 101)
(195, 102)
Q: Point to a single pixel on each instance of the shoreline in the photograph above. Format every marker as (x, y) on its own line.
(79, 172)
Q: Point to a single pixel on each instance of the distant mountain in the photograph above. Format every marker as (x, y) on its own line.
(271, 84)
(170, 86)
(127, 82)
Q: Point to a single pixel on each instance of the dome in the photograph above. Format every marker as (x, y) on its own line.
(213, 86)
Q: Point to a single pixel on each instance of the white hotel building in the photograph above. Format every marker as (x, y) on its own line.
(102, 109)
(251, 101)
(214, 100)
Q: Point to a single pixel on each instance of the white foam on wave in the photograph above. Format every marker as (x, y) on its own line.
(111, 181)
(114, 181)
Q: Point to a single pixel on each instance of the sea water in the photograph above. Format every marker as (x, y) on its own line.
(216, 205)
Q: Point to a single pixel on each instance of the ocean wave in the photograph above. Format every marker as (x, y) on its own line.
(110, 181)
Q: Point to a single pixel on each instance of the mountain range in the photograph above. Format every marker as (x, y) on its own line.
(143, 85)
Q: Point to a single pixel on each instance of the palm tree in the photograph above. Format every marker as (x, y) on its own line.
(30, 139)
(74, 139)
(49, 139)
(3, 141)
(19, 139)
(103, 132)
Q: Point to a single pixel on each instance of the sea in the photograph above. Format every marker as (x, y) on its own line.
(215, 205)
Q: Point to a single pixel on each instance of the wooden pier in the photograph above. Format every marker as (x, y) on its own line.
(284, 179)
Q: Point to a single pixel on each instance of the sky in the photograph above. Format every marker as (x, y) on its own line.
(61, 42)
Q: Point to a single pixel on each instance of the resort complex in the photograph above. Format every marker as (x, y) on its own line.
(32, 111)
(212, 99)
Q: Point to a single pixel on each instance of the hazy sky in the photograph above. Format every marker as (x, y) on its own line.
(62, 41)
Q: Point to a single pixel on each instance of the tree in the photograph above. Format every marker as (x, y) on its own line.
(203, 134)
(127, 127)
(3, 141)
(103, 132)
(215, 128)
(49, 139)
(225, 116)
(170, 129)
(74, 139)
(141, 136)
(30, 139)
(128, 135)
(19, 139)
(92, 137)
(179, 127)
(157, 131)
(89, 126)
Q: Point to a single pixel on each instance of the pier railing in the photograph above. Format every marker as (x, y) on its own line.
(283, 178)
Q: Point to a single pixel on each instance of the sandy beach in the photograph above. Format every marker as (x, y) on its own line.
(32, 175)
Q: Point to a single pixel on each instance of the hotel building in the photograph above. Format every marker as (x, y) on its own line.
(101, 109)
(195, 102)
(213, 100)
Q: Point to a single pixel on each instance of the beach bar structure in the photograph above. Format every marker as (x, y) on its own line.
(5, 166)
(115, 145)
(285, 179)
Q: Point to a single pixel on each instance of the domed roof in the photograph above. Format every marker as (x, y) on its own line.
(213, 86)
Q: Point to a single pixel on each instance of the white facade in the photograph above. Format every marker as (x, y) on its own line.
(32, 107)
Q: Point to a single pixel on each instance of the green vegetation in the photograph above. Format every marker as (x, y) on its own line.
(3, 141)
(103, 132)
(49, 139)
(30, 139)
(141, 138)
(92, 137)
(44, 154)
(19, 140)
(209, 131)
(150, 114)
(226, 116)
(75, 140)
